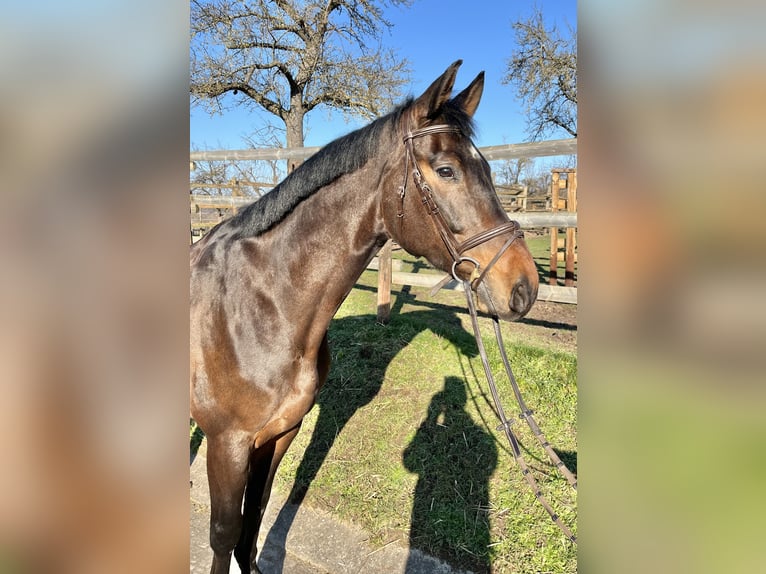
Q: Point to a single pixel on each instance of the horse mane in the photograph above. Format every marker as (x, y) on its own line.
(341, 156)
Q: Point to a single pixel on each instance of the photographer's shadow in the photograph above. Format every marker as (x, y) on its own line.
(454, 459)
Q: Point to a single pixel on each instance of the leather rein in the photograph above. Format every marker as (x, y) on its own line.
(472, 284)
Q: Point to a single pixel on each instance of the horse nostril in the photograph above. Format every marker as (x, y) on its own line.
(521, 297)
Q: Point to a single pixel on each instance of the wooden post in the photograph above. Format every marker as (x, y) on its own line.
(235, 192)
(569, 274)
(384, 283)
(553, 278)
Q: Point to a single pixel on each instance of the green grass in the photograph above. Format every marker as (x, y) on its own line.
(403, 443)
(402, 440)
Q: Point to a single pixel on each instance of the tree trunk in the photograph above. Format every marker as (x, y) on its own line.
(294, 124)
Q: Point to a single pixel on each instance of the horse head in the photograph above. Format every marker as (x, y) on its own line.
(442, 204)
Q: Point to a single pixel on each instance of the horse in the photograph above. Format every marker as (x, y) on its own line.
(265, 284)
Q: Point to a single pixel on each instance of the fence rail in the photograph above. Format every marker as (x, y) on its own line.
(545, 292)
(491, 153)
(532, 149)
(526, 220)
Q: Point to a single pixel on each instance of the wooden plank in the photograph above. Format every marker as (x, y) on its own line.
(254, 154)
(553, 275)
(422, 279)
(253, 184)
(553, 293)
(494, 152)
(557, 294)
(202, 200)
(573, 186)
(533, 149)
(569, 273)
(396, 264)
(526, 220)
(545, 219)
(384, 283)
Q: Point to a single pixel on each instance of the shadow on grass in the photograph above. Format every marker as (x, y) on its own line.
(569, 458)
(454, 460)
(361, 351)
(453, 457)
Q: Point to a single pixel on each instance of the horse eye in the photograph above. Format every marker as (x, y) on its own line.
(445, 172)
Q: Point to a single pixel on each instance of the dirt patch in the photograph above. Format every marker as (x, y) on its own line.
(552, 325)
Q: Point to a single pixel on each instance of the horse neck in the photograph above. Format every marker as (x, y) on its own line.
(330, 237)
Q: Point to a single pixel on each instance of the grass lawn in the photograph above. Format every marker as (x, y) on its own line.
(402, 440)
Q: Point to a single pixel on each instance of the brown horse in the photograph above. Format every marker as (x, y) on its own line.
(266, 283)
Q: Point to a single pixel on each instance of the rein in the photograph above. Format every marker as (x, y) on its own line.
(472, 284)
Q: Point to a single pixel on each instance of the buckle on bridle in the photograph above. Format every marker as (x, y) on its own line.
(474, 274)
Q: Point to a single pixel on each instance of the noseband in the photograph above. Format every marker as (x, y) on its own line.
(455, 248)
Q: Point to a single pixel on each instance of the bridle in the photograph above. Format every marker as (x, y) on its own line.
(455, 248)
(472, 284)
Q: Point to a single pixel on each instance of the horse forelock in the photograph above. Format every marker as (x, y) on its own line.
(454, 115)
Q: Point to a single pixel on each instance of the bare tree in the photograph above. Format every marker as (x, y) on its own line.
(268, 136)
(290, 56)
(208, 172)
(538, 181)
(238, 177)
(544, 71)
(509, 171)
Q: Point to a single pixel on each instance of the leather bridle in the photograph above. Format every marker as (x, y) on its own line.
(457, 250)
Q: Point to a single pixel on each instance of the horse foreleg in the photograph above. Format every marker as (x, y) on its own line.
(227, 463)
(263, 466)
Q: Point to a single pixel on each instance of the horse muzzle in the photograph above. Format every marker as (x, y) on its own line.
(509, 306)
(523, 296)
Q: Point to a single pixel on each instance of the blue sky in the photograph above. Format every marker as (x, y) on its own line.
(431, 34)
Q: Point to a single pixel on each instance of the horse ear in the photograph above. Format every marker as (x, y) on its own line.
(469, 98)
(436, 94)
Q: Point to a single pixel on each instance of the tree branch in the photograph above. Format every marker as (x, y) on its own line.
(290, 56)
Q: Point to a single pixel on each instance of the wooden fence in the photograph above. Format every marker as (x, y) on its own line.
(207, 211)
(491, 153)
(555, 219)
(564, 197)
(389, 275)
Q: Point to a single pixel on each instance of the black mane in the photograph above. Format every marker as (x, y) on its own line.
(341, 156)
